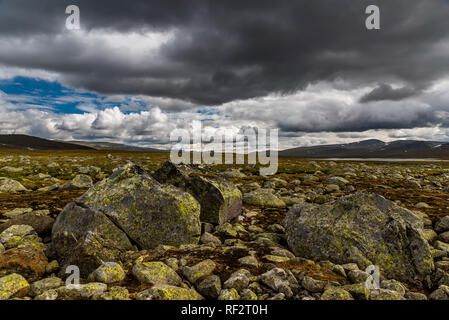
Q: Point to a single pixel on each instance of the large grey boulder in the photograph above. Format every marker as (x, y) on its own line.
(127, 209)
(365, 228)
(219, 198)
(150, 213)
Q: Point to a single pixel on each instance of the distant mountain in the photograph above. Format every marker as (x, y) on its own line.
(373, 149)
(20, 141)
(113, 146)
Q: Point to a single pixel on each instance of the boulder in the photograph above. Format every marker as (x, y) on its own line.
(75, 222)
(156, 273)
(21, 236)
(41, 224)
(148, 212)
(28, 262)
(90, 251)
(167, 292)
(384, 234)
(13, 286)
(80, 181)
(108, 272)
(219, 198)
(9, 185)
(264, 198)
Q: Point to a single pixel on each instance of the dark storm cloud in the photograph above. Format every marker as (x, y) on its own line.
(228, 50)
(387, 92)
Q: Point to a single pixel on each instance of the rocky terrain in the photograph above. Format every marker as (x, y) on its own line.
(140, 228)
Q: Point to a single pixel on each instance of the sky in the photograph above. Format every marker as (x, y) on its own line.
(139, 69)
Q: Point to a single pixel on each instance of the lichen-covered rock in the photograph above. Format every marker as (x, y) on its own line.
(219, 198)
(50, 295)
(442, 225)
(41, 224)
(198, 271)
(21, 236)
(75, 222)
(29, 262)
(210, 287)
(86, 238)
(115, 293)
(442, 293)
(280, 280)
(39, 287)
(238, 280)
(229, 294)
(148, 212)
(13, 286)
(108, 272)
(385, 234)
(385, 294)
(80, 181)
(9, 185)
(264, 198)
(336, 294)
(156, 273)
(91, 251)
(167, 292)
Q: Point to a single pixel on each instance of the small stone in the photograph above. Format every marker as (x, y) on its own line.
(28, 262)
(209, 238)
(227, 230)
(50, 294)
(357, 276)
(415, 296)
(313, 285)
(115, 293)
(394, 285)
(385, 294)
(276, 259)
(13, 286)
(156, 273)
(350, 266)
(429, 235)
(167, 292)
(21, 236)
(422, 205)
(92, 289)
(52, 267)
(248, 295)
(336, 294)
(442, 293)
(442, 225)
(200, 270)
(439, 245)
(39, 287)
(108, 272)
(338, 269)
(249, 261)
(17, 212)
(444, 236)
(210, 287)
(358, 291)
(239, 280)
(229, 294)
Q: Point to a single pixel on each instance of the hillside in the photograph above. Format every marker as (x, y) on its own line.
(373, 149)
(19, 141)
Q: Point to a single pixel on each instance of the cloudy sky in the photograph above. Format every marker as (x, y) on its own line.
(139, 69)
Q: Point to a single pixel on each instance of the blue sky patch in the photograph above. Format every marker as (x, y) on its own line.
(34, 93)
